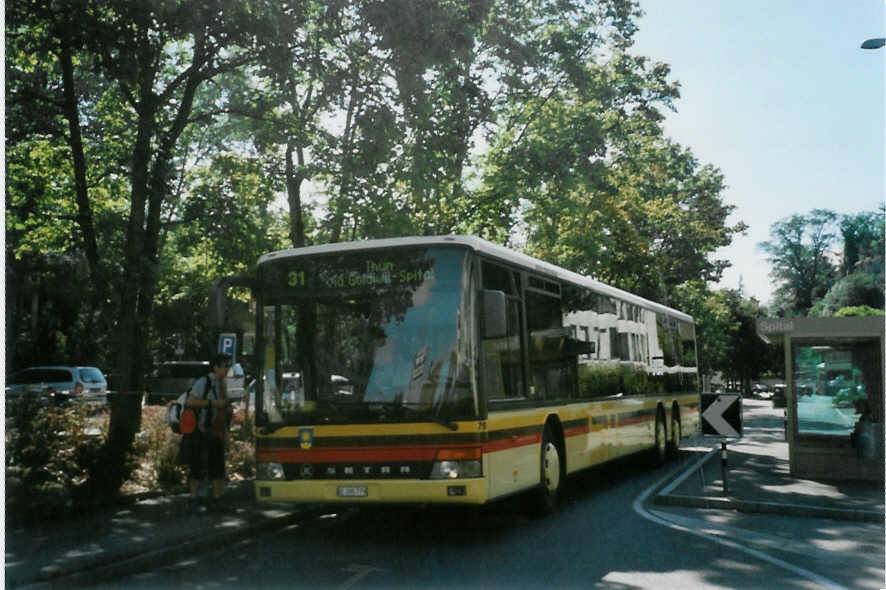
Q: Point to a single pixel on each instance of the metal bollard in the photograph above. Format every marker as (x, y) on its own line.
(724, 466)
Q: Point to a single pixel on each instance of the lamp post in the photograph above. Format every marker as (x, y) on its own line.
(874, 43)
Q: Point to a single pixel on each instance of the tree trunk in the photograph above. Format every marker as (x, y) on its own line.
(293, 192)
(84, 208)
(124, 422)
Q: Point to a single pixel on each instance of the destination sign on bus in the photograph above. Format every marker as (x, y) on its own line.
(382, 273)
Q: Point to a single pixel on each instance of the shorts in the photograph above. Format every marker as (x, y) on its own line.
(206, 455)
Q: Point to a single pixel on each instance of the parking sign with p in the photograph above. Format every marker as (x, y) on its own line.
(227, 344)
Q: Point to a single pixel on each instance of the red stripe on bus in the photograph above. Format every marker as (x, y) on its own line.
(511, 443)
(577, 431)
(345, 454)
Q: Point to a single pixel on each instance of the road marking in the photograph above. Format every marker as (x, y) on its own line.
(659, 518)
(360, 572)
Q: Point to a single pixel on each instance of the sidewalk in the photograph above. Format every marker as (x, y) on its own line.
(129, 538)
(758, 479)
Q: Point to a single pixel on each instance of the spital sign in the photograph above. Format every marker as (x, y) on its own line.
(775, 325)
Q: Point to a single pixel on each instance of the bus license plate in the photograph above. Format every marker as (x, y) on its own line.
(352, 492)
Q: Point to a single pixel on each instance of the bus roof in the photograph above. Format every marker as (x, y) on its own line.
(484, 247)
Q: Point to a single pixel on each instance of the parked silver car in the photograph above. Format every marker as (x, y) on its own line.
(60, 383)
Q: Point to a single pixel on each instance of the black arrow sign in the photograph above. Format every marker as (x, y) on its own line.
(721, 414)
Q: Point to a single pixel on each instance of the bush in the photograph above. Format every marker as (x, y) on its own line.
(156, 448)
(51, 456)
(57, 466)
(857, 311)
(240, 458)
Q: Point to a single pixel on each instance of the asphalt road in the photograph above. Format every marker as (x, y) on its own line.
(596, 540)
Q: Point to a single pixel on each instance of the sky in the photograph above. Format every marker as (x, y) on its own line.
(779, 96)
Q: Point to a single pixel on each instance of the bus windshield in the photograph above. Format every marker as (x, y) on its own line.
(367, 336)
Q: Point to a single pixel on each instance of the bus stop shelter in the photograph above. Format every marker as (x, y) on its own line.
(834, 377)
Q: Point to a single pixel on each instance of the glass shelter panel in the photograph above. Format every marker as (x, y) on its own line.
(832, 383)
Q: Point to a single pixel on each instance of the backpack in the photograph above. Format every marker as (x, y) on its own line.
(177, 412)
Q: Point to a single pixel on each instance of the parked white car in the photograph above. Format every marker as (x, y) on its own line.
(60, 383)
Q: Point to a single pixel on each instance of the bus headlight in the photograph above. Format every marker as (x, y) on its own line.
(269, 471)
(457, 463)
(456, 469)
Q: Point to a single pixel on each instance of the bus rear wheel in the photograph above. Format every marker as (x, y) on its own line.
(551, 484)
(659, 451)
(676, 435)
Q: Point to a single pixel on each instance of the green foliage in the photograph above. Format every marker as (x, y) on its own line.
(198, 118)
(240, 455)
(863, 241)
(801, 250)
(715, 324)
(797, 251)
(156, 449)
(858, 311)
(50, 457)
(56, 458)
(859, 289)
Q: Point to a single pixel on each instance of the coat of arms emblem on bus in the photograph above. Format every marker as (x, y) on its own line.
(306, 437)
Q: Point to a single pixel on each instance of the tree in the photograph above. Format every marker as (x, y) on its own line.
(853, 290)
(225, 224)
(580, 157)
(714, 325)
(435, 56)
(798, 250)
(748, 356)
(149, 60)
(863, 240)
(675, 210)
(726, 335)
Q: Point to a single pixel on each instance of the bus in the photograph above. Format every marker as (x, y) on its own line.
(449, 369)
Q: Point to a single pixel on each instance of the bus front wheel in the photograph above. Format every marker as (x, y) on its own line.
(551, 483)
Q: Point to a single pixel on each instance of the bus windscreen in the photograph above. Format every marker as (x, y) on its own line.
(367, 336)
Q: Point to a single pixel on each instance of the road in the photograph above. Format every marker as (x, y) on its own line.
(596, 540)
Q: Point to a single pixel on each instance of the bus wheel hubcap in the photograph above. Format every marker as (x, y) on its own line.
(551, 467)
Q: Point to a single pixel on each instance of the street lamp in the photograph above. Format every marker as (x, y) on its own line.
(873, 43)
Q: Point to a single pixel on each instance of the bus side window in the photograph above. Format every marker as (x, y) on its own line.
(502, 357)
(551, 367)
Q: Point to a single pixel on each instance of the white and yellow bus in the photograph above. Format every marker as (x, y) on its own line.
(452, 370)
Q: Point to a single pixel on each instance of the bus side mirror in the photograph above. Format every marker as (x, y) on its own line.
(495, 318)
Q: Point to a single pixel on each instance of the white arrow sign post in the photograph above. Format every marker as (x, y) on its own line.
(721, 414)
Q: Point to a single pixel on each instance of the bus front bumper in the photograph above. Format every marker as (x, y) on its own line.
(407, 491)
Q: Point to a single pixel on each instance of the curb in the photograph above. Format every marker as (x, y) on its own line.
(663, 496)
(127, 565)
